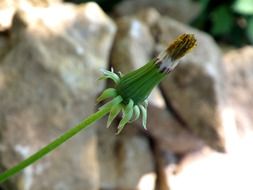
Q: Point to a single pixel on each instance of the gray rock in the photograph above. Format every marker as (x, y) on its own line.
(181, 10)
(48, 82)
(194, 89)
(169, 134)
(133, 45)
(238, 112)
(124, 160)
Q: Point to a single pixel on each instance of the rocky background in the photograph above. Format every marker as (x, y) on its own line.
(200, 121)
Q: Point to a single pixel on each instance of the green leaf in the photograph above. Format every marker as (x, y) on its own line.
(222, 20)
(243, 7)
(250, 30)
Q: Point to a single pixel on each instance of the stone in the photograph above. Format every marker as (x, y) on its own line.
(181, 10)
(169, 134)
(126, 161)
(133, 47)
(194, 90)
(9, 7)
(238, 112)
(193, 174)
(48, 84)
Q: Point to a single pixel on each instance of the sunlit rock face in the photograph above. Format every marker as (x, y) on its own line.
(9, 7)
(49, 66)
(193, 92)
(48, 83)
(126, 161)
(238, 112)
(181, 10)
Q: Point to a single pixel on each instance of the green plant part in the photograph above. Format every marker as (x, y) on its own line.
(129, 97)
(135, 87)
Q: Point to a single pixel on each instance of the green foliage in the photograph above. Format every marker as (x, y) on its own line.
(222, 20)
(244, 7)
(250, 30)
(229, 21)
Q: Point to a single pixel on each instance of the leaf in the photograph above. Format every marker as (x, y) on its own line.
(250, 30)
(243, 7)
(222, 20)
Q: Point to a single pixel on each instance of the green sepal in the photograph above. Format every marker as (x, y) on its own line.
(113, 113)
(145, 103)
(144, 116)
(110, 75)
(127, 115)
(136, 113)
(114, 101)
(108, 93)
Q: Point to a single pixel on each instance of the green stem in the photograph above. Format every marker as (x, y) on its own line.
(57, 142)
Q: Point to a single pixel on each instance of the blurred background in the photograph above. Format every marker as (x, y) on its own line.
(200, 118)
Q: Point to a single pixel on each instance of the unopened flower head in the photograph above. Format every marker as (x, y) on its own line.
(131, 90)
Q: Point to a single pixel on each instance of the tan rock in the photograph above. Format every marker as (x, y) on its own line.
(126, 160)
(9, 7)
(238, 112)
(194, 90)
(181, 10)
(169, 134)
(48, 83)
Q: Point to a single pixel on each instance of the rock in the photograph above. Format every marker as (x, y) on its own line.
(48, 83)
(194, 90)
(149, 16)
(128, 159)
(169, 134)
(9, 7)
(181, 10)
(193, 171)
(133, 47)
(4, 45)
(238, 112)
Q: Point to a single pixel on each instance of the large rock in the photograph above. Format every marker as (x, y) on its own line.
(194, 90)
(190, 172)
(132, 48)
(181, 10)
(48, 83)
(238, 112)
(126, 161)
(169, 134)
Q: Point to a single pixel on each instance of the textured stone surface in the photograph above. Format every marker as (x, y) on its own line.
(238, 112)
(133, 45)
(182, 10)
(48, 83)
(194, 90)
(9, 7)
(199, 171)
(126, 161)
(169, 134)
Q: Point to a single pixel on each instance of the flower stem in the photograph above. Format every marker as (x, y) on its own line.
(54, 144)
